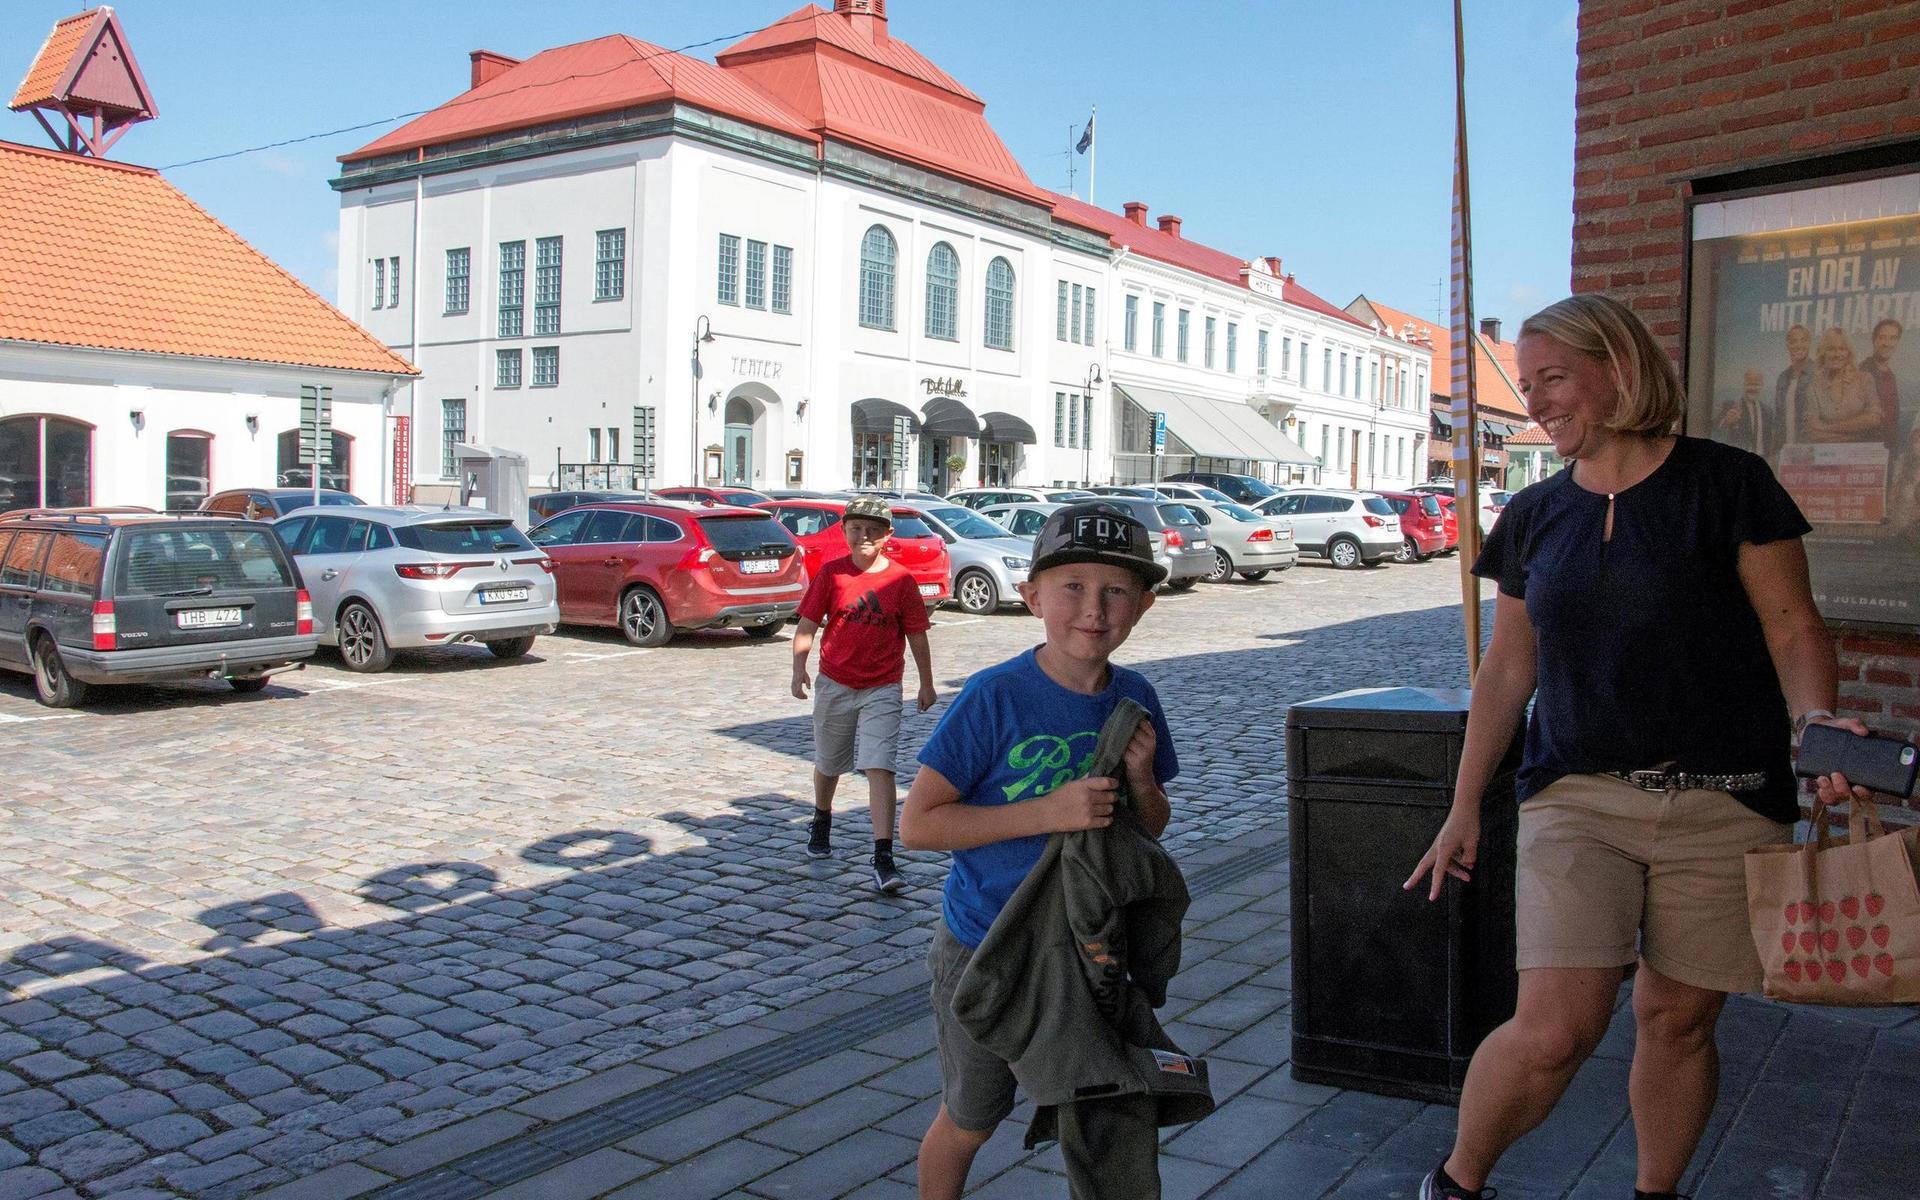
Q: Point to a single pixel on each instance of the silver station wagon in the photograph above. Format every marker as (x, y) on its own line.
(385, 579)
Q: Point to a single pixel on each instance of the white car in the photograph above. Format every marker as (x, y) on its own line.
(1492, 499)
(1348, 529)
(983, 496)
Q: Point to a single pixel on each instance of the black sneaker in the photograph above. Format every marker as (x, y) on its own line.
(1432, 1189)
(820, 840)
(886, 876)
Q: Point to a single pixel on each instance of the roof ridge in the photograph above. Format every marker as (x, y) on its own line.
(87, 159)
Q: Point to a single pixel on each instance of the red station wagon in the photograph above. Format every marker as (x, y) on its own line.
(1423, 525)
(651, 568)
(815, 524)
(714, 495)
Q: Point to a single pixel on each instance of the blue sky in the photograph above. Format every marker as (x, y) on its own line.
(1319, 132)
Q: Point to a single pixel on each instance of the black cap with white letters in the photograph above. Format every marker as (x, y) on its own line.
(1096, 532)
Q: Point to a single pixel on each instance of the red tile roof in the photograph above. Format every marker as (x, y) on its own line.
(1532, 435)
(875, 91)
(56, 55)
(1496, 379)
(602, 75)
(109, 256)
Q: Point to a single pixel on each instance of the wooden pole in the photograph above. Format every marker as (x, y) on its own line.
(1465, 409)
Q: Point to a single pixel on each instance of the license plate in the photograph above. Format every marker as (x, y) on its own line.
(505, 595)
(929, 589)
(759, 566)
(1200, 544)
(203, 618)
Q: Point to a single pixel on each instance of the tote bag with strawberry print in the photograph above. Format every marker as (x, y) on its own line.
(1837, 920)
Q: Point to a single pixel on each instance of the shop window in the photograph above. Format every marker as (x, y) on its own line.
(45, 462)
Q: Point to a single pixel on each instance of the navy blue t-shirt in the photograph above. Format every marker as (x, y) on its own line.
(1012, 735)
(1647, 648)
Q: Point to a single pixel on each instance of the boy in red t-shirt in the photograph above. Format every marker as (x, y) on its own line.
(871, 610)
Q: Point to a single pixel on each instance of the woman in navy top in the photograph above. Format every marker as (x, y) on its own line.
(1654, 605)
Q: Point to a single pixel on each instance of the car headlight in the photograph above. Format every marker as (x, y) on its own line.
(1017, 564)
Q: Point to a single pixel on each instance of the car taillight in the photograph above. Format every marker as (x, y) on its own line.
(104, 626)
(1260, 535)
(543, 562)
(1174, 540)
(697, 557)
(302, 612)
(432, 570)
(1373, 522)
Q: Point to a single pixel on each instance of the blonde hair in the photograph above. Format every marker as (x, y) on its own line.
(1835, 338)
(1651, 398)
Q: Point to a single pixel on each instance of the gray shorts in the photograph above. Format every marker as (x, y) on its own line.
(975, 1084)
(855, 729)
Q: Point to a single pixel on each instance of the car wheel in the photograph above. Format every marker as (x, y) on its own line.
(1254, 576)
(1343, 552)
(761, 632)
(52, 686)
(1182, 585)
(363, 646)
(643, 619)
(1222, 568)
(1408, 552)
(247, 683)
(511, 647)
(975, 593)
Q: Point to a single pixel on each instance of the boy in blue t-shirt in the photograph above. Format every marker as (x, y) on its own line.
(1006, 767)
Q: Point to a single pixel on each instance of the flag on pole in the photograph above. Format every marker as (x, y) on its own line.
(1086, 138)
(1465, 410)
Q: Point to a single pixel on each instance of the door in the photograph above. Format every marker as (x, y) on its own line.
(560, 538)
(609, 546)
(19, 573)
(331, 549)
(933, 464)
(738, 444)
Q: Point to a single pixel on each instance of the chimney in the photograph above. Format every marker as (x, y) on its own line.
(1273, 265)
(1490, 329)
(488, 65)
(1169, 225)
(1136, 211)
(868, 18)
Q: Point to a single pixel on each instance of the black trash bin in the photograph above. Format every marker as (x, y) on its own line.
(1392, 993)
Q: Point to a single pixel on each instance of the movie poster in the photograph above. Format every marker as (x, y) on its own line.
(1803, 350)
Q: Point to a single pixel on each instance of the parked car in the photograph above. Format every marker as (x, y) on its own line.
(1244, 542)
(1348, 529)
(986, 561)
(1492, 499)
(797, 494)
(1023, 519)
(388, 579)
(1452, 523)
(1142, 490)
(743, 497)
(1423, 525)
(1180, 541)
(1243, 488)
(89, 598)
(270, 504)
(815, 524)
(983, 496)
(1194, 492)
(895, 494)
(656, 567)
(548, 505)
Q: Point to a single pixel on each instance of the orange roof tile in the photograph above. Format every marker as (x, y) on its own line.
(812, 23)
(1496, 379)
(113, 257)
(602, 75)
(1532, 435)
(56, 55)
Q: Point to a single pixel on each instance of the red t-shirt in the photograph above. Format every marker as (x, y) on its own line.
(866, 617)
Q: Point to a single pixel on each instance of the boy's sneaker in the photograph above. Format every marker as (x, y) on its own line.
(886, 876)
(1436, 1186)
(820, 840)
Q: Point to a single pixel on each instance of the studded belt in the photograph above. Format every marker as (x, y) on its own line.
(1669, 780)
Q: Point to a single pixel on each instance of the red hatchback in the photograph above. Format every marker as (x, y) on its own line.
(744, 497)
(815, 524)
(1423, 525)
(1453, 523)
(651, 568)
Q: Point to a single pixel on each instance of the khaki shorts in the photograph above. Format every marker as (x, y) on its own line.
(1608, 873)
(855, 729)
(975, 1084)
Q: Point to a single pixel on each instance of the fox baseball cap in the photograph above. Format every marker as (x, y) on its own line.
(869, 508)
(1095, 532)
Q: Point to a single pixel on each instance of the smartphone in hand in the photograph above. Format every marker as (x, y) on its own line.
(1880, 764)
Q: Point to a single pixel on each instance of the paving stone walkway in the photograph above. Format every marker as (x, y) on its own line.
(541, 930)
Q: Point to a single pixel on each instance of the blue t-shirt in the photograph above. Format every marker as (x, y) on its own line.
(1012, 735)
(1647, 649)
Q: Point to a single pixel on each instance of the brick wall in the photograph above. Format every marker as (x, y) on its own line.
(1674, 90)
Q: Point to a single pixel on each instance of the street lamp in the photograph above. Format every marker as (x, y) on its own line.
(702, 332)
(1094, 379)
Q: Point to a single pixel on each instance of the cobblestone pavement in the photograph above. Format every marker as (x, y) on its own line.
(542, 929)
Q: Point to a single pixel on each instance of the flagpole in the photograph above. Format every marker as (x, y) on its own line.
(1464, 408)
(1093, 153)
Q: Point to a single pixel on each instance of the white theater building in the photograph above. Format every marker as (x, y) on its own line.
(811, 263)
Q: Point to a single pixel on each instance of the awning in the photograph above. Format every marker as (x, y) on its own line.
(1224, 429)
(944, 416)
(1442, 427)
(1005, 427)
(874, 415)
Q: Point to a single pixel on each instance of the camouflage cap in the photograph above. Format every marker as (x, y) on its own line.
(870, 508)
(1098, 533)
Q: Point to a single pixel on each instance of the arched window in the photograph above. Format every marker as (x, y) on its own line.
(336, 475)
(45, 462)
(877, 257)
(943, 291)
(998, 327)
(189, 469)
